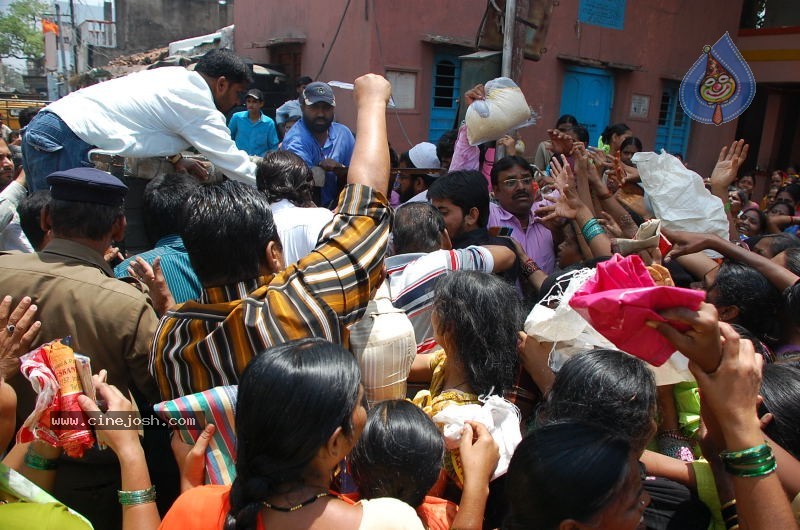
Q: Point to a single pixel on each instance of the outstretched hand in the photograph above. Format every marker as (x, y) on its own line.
(476, 93)
(728, 164)
(153, 278)
(17, 331)
(731, 391)
(684, 243)
(371, 86)
(560, 142)
(568, 203)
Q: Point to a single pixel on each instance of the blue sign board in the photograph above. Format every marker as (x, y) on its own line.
(604, 13)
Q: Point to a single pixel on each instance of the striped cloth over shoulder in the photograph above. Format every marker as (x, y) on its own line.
(189, 415)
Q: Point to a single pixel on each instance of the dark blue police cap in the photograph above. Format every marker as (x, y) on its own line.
(87, 184)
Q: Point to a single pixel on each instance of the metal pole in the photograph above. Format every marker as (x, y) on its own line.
(60, 40)
(75, 34)
(508, 37)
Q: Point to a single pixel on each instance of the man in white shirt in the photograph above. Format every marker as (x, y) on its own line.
(287, 181)
(157, 112)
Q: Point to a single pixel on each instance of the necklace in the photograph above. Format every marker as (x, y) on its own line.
(303, 504)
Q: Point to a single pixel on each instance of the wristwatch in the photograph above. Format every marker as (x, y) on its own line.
(174, 159)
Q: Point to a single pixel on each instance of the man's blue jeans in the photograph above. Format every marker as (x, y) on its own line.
(49, 145)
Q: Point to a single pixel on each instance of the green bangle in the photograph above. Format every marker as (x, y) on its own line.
(132, 498)
(34, 461)
(593, 232)
(761, 450)
(760, 471)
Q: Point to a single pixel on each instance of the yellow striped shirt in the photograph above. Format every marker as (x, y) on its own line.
(201, 345)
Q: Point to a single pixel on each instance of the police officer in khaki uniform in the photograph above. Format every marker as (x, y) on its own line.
(109, 320)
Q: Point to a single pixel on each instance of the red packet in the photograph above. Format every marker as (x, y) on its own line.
(54, 376)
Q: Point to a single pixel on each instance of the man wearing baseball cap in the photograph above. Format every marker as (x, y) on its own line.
(252, 131)
(318, 140)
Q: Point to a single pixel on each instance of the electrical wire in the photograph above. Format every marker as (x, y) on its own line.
(335, 36)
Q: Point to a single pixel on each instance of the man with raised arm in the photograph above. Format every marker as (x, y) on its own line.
(250, 299)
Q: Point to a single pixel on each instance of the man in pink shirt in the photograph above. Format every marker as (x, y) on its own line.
(515, 191)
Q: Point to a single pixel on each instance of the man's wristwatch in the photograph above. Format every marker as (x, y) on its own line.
(174, 159)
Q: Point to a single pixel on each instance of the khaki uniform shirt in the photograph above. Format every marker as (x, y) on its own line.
(110, 321)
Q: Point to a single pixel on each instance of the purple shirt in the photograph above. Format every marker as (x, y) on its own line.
(537, 241)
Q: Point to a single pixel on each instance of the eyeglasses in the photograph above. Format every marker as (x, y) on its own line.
(510, 184)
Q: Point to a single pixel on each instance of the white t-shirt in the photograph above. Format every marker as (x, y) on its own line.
(388, 514)
(155, 113)
(298, 228)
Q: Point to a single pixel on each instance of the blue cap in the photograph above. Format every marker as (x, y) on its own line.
(87, 184)
(318, 92)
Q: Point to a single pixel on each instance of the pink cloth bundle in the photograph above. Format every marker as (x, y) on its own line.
(622, 297)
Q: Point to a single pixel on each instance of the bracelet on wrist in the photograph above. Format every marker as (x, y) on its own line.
(592, 229)
(755, 461)
(134, 497)
(34, 461)
(529, 267)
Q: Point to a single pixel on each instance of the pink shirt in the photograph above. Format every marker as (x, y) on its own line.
(536, 240)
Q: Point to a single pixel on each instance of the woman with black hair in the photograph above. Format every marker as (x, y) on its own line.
(575, 475)
(476, 317)
(612, 137)
(780, 390)
(299, 412)
(618, 391)
(608, 387)
(399, 455)
(751, 222)
(744, 296)
(629, 147)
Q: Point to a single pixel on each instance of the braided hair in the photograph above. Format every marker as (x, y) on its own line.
(291, 399)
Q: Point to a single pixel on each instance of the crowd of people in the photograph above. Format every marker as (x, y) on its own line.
(255, 284)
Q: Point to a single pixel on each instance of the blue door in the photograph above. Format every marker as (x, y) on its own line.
(588, 94)
(444, 99)
(673, 125)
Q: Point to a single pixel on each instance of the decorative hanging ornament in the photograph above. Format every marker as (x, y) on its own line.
(719, 86)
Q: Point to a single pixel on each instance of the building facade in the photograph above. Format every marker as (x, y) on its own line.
(605, 61)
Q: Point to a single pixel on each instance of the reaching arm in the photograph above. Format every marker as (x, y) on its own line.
(503, 257)
(689, 243)
(370, 162)
(570, 206)
(731, 392)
